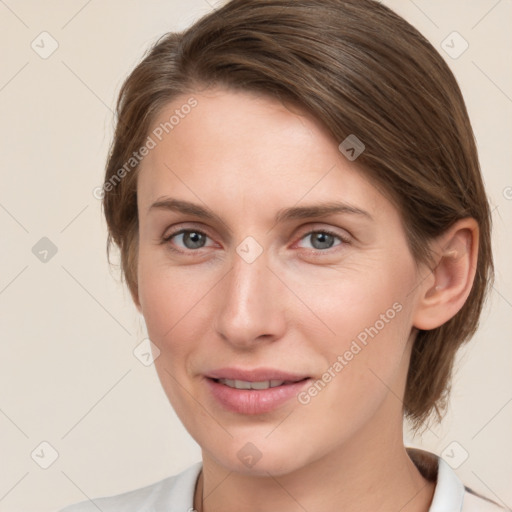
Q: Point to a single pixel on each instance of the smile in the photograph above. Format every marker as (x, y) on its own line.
(245, 384)
(255, 391)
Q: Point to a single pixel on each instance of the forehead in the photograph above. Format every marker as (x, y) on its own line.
(242, 123)
(233, 143)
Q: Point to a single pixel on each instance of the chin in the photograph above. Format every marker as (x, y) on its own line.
(256, 456)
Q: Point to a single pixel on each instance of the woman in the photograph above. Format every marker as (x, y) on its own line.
(295, 191)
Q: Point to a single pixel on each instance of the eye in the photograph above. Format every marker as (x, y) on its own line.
(188, 239)
(321, 239)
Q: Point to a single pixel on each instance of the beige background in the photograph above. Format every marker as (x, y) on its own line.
(68, 375)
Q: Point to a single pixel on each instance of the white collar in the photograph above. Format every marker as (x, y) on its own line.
(449, 490)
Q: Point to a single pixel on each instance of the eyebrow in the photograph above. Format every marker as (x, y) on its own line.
(294, 212)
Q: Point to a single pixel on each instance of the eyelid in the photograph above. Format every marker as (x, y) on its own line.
(344, 236)
(180, 227)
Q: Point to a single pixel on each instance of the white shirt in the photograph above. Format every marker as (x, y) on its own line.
(176, 493)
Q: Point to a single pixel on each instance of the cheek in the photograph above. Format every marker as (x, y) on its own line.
(168, 296)
(359, 303)
(366, 369)
(368, 321)
(171, 309)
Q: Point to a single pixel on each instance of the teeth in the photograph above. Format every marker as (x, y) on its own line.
(244, 384)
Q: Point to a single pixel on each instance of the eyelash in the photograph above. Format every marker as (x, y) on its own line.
(167, 239)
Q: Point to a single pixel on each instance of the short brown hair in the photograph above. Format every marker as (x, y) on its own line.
(360, 69)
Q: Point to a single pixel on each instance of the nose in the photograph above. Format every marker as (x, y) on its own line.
(251, 307)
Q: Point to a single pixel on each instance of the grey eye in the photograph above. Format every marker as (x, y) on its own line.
(189, 239)
(319, 240)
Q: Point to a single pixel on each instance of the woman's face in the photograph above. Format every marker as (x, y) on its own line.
(267, 258)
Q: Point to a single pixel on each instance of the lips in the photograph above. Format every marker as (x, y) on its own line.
(253, 391)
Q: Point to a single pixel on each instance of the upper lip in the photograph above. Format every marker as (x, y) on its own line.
(255, 374)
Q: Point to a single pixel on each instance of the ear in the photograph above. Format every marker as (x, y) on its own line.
(443, 293)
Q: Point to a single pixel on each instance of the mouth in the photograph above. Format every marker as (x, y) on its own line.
(253, 392)
(262, 384)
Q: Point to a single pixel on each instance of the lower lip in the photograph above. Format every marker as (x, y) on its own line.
(254, 401)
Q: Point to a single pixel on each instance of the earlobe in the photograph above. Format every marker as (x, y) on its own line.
(451, 280)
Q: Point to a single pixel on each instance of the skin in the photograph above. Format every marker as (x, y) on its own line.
(295, 307)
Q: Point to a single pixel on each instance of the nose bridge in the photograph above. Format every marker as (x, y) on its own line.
(250, 307)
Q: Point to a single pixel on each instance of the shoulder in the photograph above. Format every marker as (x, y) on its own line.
(474, 502)
(170, 494)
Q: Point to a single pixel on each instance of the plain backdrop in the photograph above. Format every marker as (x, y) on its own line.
(68, 376)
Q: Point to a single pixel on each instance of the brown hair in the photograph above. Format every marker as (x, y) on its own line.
(360, 69)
